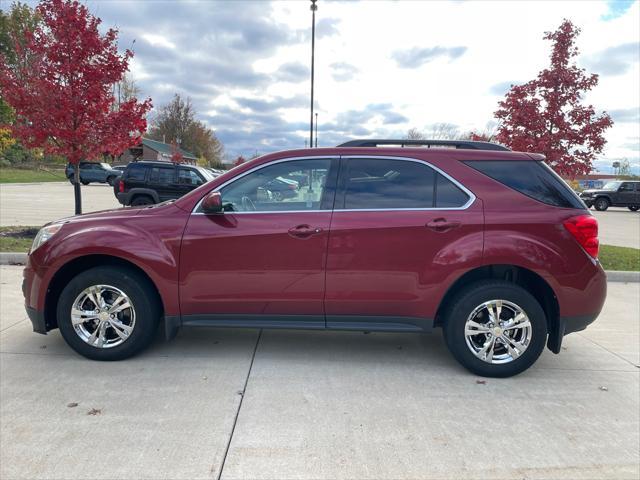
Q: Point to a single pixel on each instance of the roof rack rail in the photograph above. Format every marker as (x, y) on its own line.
(462, 144)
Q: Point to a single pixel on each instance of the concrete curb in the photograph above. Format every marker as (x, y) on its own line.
(620, 276)
(15, 258)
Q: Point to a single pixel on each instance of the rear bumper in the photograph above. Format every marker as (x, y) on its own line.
(123, 198)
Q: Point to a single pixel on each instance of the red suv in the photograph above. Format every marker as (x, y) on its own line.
(489, 244)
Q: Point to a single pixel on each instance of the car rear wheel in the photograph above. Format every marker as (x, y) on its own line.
(495, 328)
(84, 182)
(601, 204)
(108, 313)
(141, 200)
(634, 208)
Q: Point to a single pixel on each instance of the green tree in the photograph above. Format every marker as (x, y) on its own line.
(176, 122)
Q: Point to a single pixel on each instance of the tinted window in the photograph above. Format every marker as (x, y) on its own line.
(626, 187)
(161, 175)
(384, 183)
(189, 177)
(285, 186)
(448, 194)
(534, 179)
(136, 172)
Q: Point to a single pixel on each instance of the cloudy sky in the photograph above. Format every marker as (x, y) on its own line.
(381, 67)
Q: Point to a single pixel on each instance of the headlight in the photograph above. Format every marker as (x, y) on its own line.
(45, 234)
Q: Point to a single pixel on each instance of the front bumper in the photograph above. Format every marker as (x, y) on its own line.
(37, 320)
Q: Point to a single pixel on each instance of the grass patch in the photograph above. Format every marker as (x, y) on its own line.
(17, 239)
(17, 175)
(619, 258)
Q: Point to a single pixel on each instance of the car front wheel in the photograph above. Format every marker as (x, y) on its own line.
(108, 313)
(495, 328)
(601, 204)
(634, 208)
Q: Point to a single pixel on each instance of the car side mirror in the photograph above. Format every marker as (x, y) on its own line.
(212, 203)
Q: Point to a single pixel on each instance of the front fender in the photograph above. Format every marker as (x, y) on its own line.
(150, 242)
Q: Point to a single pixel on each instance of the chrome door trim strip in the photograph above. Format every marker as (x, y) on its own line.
(469, 193)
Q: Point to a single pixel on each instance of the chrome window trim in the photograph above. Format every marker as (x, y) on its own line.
(264, 165)
(469, 193)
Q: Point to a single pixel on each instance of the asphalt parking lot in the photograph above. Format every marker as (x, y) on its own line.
(39, 203)
(308, 405)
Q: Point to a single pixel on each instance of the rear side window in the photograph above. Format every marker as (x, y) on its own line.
(533, 179)
(136, 172)
(382, 183)
(161, 175)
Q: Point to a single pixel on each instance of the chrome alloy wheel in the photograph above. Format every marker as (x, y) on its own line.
(498, 331)
(103, 316)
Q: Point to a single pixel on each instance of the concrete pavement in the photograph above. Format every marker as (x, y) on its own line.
(317, 405)
(39, 203)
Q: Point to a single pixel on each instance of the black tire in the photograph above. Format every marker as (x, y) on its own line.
(601, 204)
(472, 296)
(84, 182)
(110, 180)
(141, 294)
(141, 200)
(634, 208)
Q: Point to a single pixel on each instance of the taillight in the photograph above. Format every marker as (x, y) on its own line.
(121, 186)
(584, 229)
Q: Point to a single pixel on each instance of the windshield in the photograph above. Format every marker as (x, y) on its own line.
(206, 173)
(611, 186)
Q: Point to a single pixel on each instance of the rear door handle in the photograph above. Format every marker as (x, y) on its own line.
(442, 225)
(304, 231)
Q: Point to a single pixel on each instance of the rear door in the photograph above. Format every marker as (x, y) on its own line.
(401, 229)
(162, 179)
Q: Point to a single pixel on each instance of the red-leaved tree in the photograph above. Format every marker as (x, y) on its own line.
(176, 154)
(546, 115)
(63, 97)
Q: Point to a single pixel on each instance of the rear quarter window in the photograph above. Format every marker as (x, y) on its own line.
(531, 178)
(136, 172)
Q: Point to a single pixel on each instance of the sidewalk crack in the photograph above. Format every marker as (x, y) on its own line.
(235, 420)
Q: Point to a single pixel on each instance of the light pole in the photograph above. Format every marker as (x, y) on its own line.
(314, 7)
(316, 130)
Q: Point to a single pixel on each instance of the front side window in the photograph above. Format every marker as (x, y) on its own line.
(189, 177)
(286, 186)
(378, 183)
(626, 187)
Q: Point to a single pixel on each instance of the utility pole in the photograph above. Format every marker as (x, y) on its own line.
(314, 7)
(316, 130)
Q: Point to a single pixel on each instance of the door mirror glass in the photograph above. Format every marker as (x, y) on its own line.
(212, 203)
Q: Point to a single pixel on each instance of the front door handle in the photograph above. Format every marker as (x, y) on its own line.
(304, 231)
(442, 225)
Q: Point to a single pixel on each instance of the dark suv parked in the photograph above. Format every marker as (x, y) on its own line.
(614, 194)
(94, 172)
(488, 244)
(145, 183)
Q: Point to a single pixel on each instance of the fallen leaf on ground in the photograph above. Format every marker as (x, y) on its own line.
(72, 404)
(604, 389)
(481, 382)
(95, 411)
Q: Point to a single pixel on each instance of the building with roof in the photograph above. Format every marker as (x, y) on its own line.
(154, 150)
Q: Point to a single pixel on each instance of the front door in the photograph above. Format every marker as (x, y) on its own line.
(400, 230)
(264, 258)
